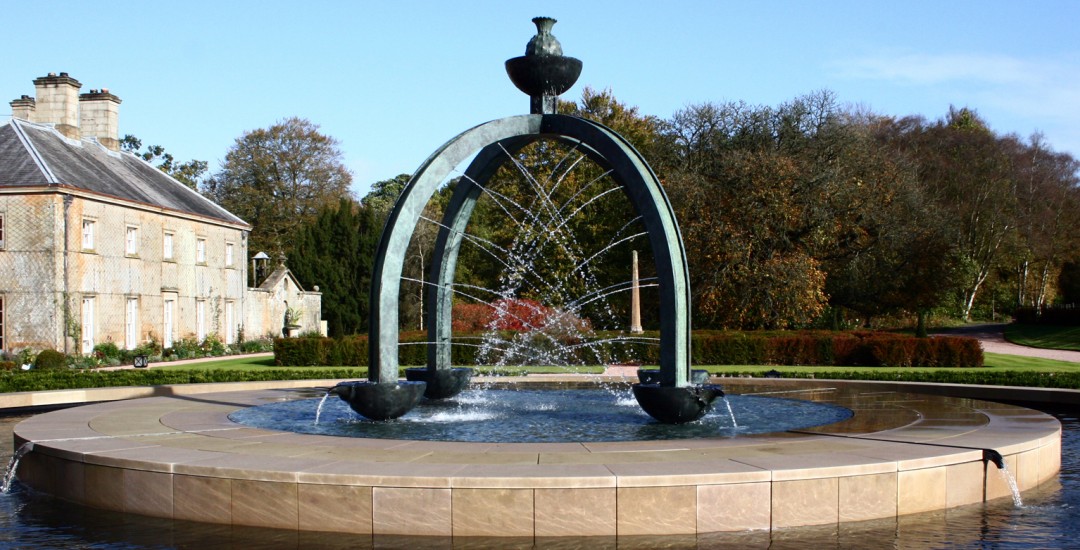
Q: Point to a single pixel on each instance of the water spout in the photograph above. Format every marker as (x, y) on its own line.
(730, 412)
(13, 465)
(990, 455)
(318, 410)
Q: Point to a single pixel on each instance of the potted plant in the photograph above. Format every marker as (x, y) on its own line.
(292, 319)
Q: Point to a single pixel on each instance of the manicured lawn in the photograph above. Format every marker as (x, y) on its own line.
(267, 363)
(993, 362)
(233, 363)
(1044, 336)
(1009, 370)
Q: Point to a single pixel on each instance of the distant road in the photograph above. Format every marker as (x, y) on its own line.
(993, 340)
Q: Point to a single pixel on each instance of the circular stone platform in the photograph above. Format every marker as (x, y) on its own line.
(179, 456)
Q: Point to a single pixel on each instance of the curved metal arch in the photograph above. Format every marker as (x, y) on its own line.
(630, 170)
(440, 294)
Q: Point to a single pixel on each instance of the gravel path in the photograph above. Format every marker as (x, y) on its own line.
(992, 337)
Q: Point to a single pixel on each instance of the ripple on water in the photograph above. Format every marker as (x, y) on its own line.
(529, 415)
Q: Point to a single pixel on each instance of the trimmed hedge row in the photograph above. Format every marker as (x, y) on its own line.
(1062, 380)
(69, 379)
(41, 380)
(871, 349)
(1067, 315)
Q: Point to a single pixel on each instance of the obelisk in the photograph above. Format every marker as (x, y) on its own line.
(635, 301)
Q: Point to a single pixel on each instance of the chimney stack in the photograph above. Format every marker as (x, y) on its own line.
(99, 114)
(23, 108)
(58, 103)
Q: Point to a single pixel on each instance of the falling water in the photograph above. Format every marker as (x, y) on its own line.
(13, 465)
(542, 225)
(1011, 480)
(318, 410)
(730, 412)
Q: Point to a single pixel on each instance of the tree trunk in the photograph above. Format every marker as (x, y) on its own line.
(920, 327)
(1044, 284)
(969, 298)
(1021, 283)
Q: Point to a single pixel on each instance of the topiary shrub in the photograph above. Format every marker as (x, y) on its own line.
(50, 360)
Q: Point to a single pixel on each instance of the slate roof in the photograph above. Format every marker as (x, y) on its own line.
(275, 278)
(33, 155)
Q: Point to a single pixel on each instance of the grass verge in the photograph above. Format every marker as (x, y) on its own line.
(1008, 370)
(1044, 336)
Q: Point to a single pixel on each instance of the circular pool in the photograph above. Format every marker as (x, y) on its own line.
(180, 456)
(529, 416)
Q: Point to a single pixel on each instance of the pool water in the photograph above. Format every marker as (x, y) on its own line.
(542, 416)
(1048, 519)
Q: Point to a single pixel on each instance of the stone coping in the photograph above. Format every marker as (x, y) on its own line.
(176, 454)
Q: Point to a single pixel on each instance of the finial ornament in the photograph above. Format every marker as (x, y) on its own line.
(543, 72)
(544, 43)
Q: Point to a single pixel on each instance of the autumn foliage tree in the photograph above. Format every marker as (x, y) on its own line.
(278, 178)
(808, 213)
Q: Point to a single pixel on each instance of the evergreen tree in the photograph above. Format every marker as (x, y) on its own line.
(335, 252)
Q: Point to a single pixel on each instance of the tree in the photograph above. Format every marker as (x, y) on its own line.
(278, 179)
(336, 252)
(1046, 185)
(189, 173)
(765, 196)
(384, 194)
(967, 171)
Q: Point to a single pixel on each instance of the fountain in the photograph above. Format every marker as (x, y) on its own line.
(176, 452)
(543, 73)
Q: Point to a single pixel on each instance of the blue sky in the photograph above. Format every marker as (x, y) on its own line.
(394, 80)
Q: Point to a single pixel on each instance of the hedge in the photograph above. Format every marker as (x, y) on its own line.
(1063, 380)
(859, 348)
(1062, 315)
(63, 379)
(41, 380)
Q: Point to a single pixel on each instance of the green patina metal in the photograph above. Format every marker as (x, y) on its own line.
(543, 73)
(492, 142)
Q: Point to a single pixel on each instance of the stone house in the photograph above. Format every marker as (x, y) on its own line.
(98, 245)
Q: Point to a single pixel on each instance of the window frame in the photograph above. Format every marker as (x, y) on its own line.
(168, 246)
(87, 324)
(230, 322)
(3, 325)
(230, 254)
(131, 240)
(131, 323)
(200, 320)
(89, 228)
(200, 251)
(168, 322)
(1, 236)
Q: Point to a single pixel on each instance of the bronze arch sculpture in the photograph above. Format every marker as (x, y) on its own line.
(628, 168)
(543, 73)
